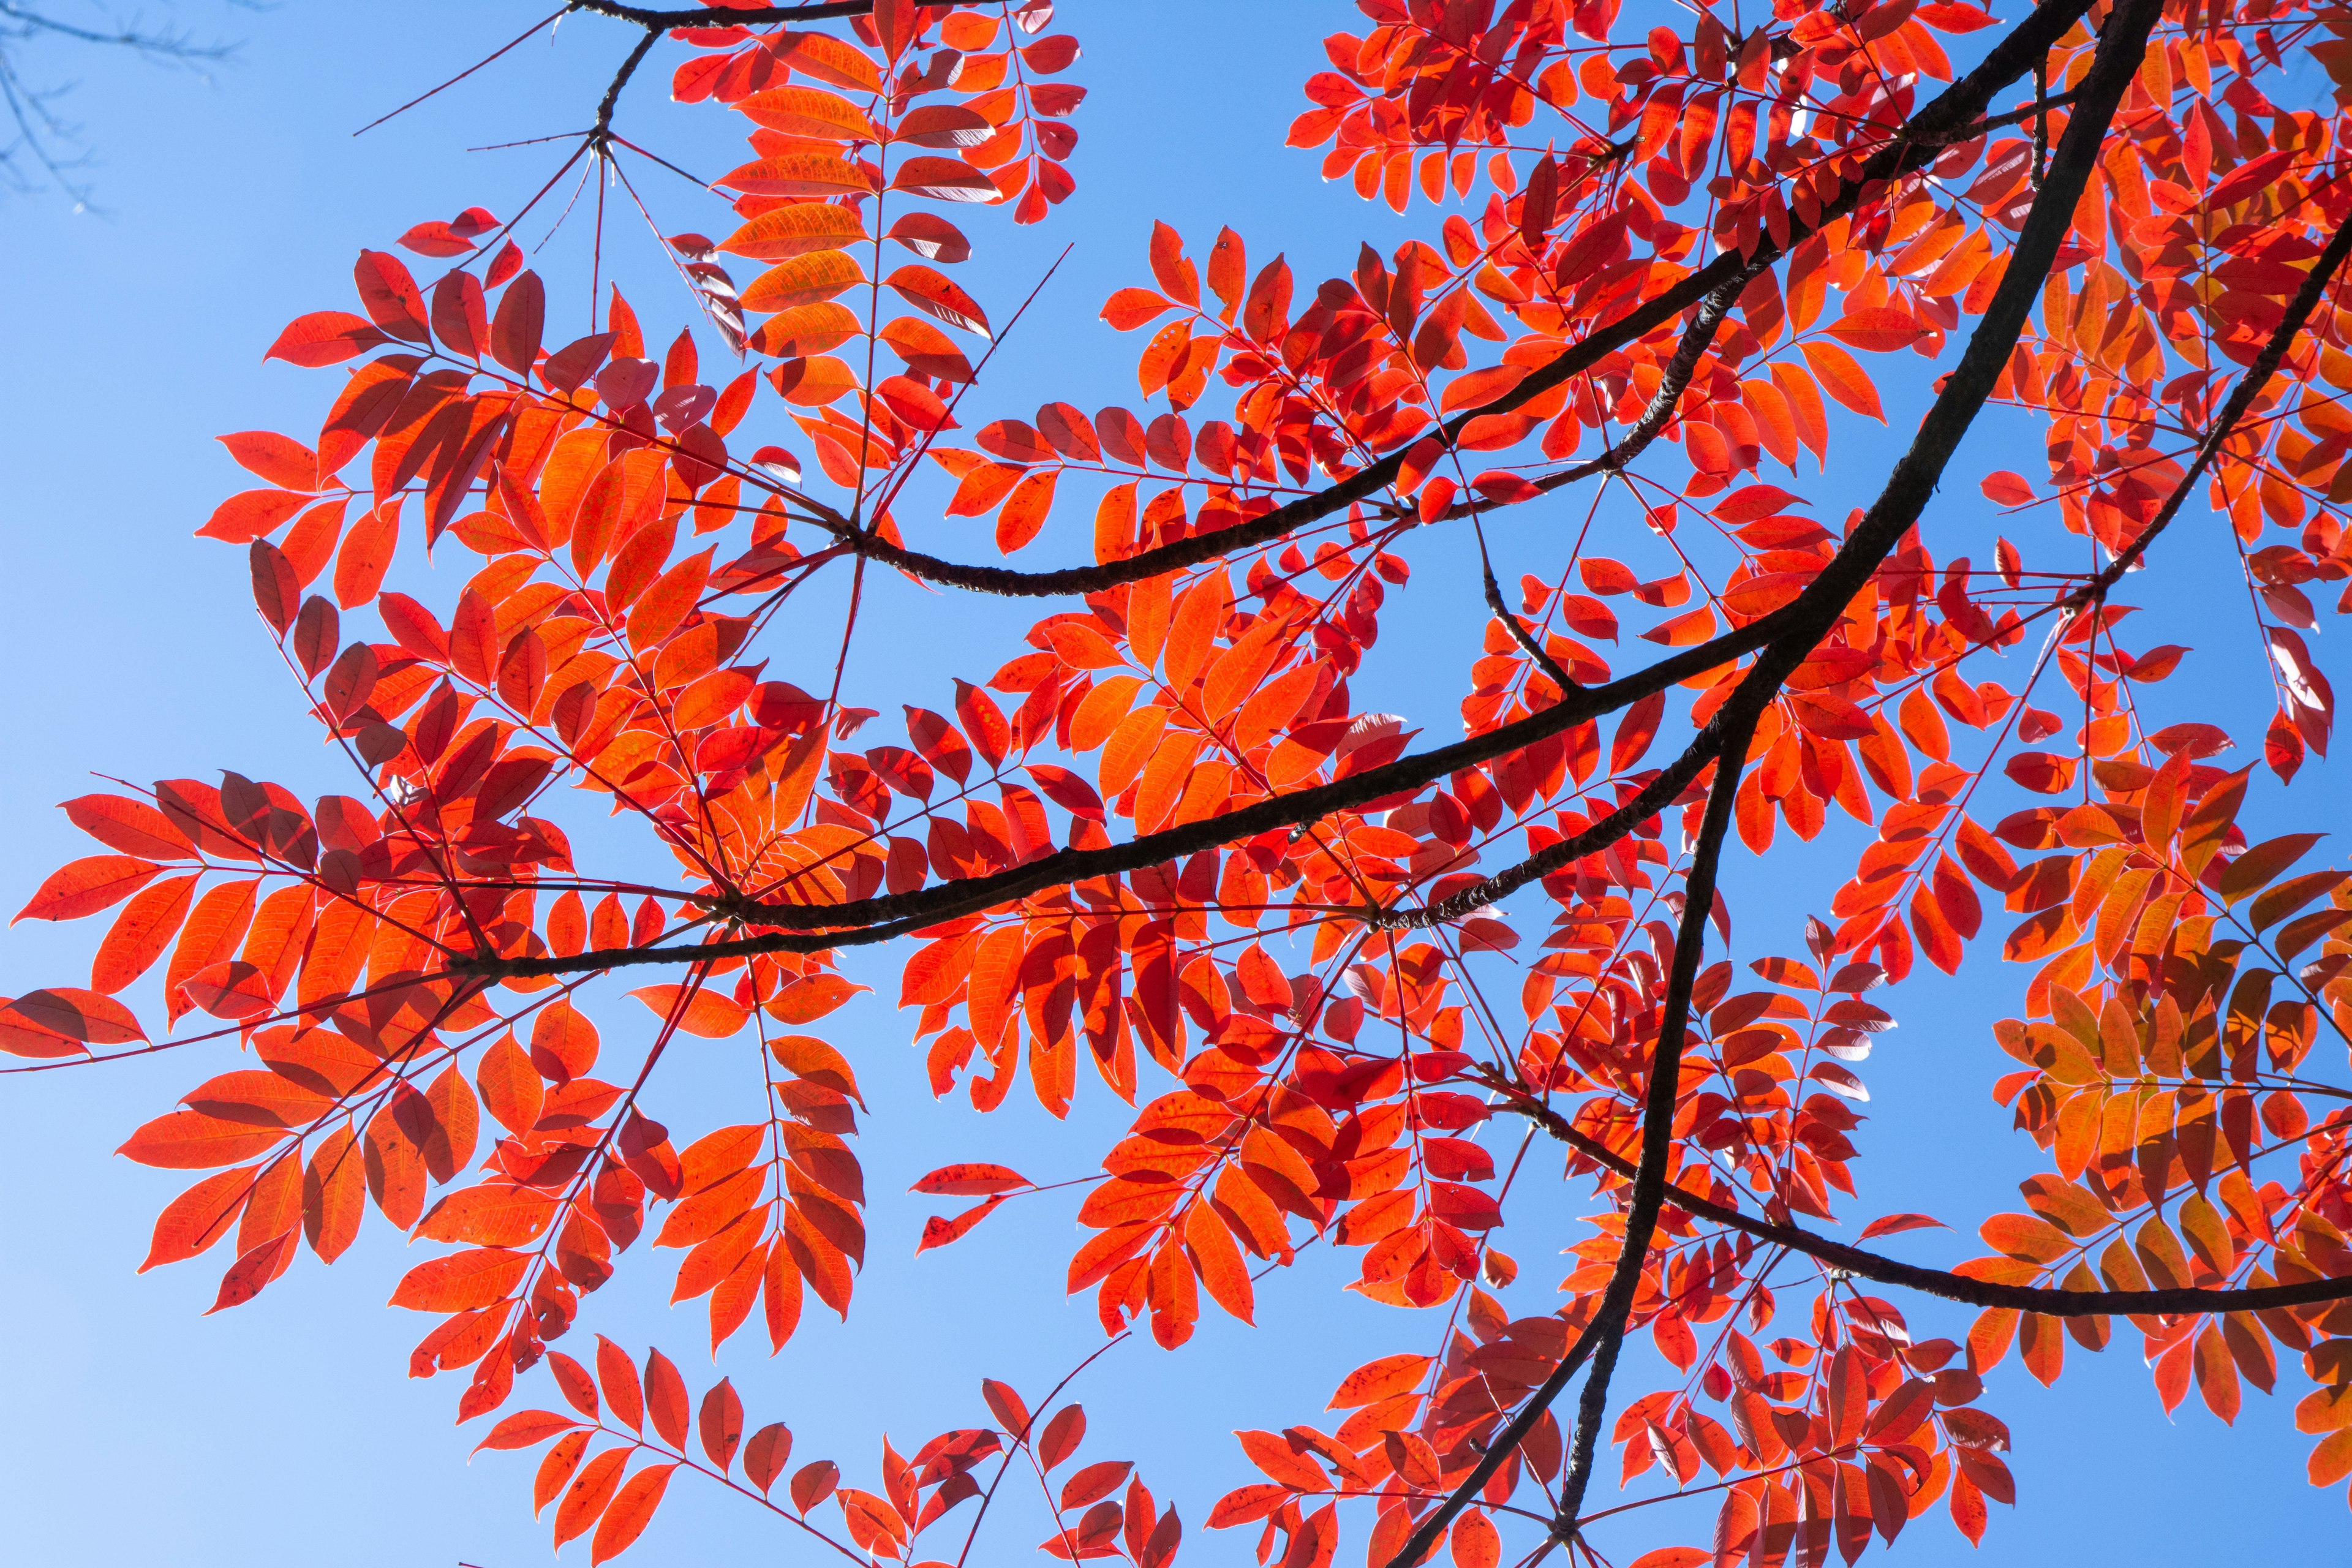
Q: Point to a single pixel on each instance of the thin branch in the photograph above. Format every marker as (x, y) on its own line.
(2241, 397)
(602, 131)
(1660, 410)
(1517, 628)
(1652, 798)
(525, 38)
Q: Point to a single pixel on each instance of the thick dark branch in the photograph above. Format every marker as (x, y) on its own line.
(1655, 415)
(603, 130)
(1938, 1282)
(1425, 1536)
(1790, 632)
(1952, 117)
(1658, 1104)
(1654, 797)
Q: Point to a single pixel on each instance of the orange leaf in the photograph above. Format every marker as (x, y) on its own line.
(628, 1514)
(811, 997)
(1840, 376)
(972, 1179)
(460, 1282)
(1220, 1264)
(1877, 329)
(1378, 1380)
(931, 293)
(88, 885)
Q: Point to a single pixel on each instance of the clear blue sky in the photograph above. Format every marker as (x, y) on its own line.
(133, 1431)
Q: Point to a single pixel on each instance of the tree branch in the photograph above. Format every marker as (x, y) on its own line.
(1938, 1282)
(1658, 1106)
(1950, 118)
(2249, 386)
(1425, 1537)
(1897, 508)
(1788, 634)
(1653, 797)
(600, 133)
(1660, 410)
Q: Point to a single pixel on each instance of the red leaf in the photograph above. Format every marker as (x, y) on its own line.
(1133, 307)
(389, 296)
(525, 1430)
(972, 1179)
(461, 1281)
(60, 1021)
(86, 886)
(628, 1515)
(719, 1422)
(1842, 377)
(1876, 329)
(324, 338)
(1887, 1224)
(939, 1230)
(2006, 488)
(931, 293)
(666, 1401)
(764, 1457)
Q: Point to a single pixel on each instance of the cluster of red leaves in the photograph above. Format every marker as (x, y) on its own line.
(1291, 954)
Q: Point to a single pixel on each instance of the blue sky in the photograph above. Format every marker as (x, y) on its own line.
(133, 1430)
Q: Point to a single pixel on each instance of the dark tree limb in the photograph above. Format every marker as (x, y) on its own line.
(1660, 410)
(1963, 394)
(1652, 798)
(1940, 1283)
(2242, 398)
(1787, 634)
(600, 135)
(1649, 1189)
(1953, 116)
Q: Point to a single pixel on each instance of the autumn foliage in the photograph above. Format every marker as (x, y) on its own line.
(1359, 979)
